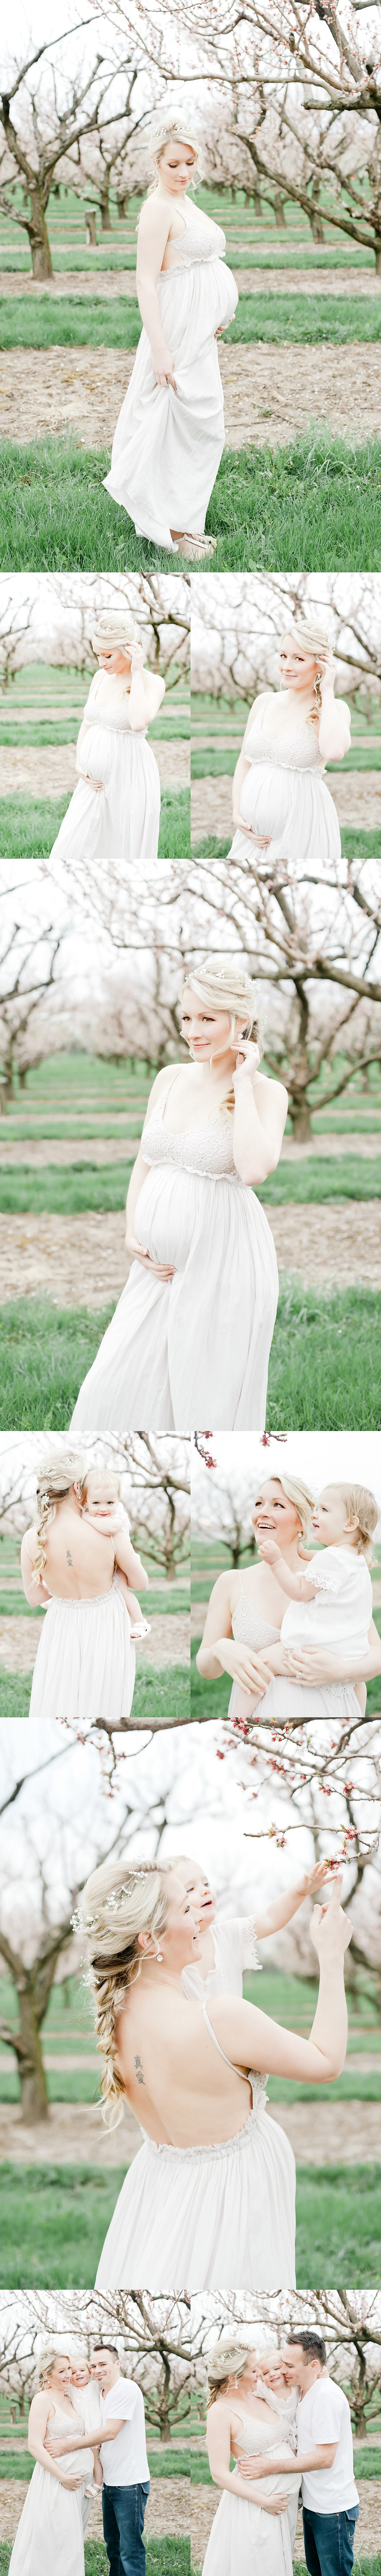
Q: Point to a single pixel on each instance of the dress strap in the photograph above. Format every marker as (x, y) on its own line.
(228, 2061)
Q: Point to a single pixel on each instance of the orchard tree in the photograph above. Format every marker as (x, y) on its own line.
(48, 130)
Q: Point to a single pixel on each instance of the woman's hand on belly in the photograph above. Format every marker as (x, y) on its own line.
(162, 1269)
(306, 1663)
(261, 839)
(97, 783)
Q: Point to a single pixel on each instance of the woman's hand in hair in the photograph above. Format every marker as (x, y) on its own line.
(247, 1059)
(137, 658)
(327, 671)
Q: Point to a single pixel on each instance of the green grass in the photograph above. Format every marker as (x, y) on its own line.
(166, 2556)
(47, 1350)
(54, 2220)
(66, 1189)
(316, 502)
(29, 825)
(203, 1706)
(304, 319)
(165, 2463)
(157, 1693)
(74, 321)
(367, 2464)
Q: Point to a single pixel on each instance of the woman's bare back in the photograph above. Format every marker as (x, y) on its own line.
(79, 1560)
(179, 2086)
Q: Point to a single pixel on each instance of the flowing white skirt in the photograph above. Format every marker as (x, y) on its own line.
(294, 806)
(168, 446)
(297, 1699)
(121, 824)
(49, 2540)
(245, 2538)
(85, 1662)
(205, 2218)
(196, 1349)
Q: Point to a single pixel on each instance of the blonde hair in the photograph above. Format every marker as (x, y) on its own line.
(315, 639)
(115, 626)
(93, 1477)
(361, 1505)
(116, 1904)
(299, 1494)
(169, 129)
(224, 2362)
(46, 2363)
(227, 988)
(54, 1481)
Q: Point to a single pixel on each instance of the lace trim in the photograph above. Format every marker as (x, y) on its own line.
(226, 2146)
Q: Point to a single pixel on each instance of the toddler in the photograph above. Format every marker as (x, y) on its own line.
(331, 1599)
(229, 1943)
(103, 1508)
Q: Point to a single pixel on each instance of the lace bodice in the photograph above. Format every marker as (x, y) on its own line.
(71, 2460)
(200, 242)
(259, 2436)
(246, 1624)
(207, 1149)
(115, 719)
(297, 750)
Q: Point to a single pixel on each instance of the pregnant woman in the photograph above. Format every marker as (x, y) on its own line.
(190, 1340)
(170, 434)
(242, 1629)
(114, 814)
(210, 2198)
(251, 2528)
(49, 2540)
(282, 809)
(85, 1663)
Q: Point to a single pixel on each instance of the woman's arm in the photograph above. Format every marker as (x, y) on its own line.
(259, 1118)
(219, 1653)
(38, 1591)
(282, 1912)
(250, 2038)
(218, 2435)
(318, 1664)
(154, 229)
(161, 1269)
(130, 1563)
(37, 2427)
(146, 692)
(335, 720)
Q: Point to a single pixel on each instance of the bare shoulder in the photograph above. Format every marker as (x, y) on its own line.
(155, 220)
(225, 1591)
(30, 1542)
(160, 1081)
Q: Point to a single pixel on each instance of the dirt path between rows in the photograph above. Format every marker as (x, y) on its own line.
(357, 797)
(81, 1260)
(270, 394)
(115, 1149)
(321, 2133)
(167, 1644)
(108, 283)
(168, 2509)
(26, 770)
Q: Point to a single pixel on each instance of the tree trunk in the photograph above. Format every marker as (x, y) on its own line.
(123, 205)
(378, 259)
(91, 238)
(39, 237)
(105, 212)
(301, 1122)
(34, 2099)
(279, 212)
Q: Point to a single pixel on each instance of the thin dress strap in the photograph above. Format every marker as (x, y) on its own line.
(228, 2061)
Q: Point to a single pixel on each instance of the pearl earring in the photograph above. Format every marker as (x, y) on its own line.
(158, 1957)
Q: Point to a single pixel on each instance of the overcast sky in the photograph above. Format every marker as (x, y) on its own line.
(320, 1457)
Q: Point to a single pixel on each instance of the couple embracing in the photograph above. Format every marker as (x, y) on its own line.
(86, 2433)
(286, 2424)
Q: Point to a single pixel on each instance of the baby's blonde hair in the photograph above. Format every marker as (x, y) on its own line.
(93, 1478)
(117, 1903)
(361, 1506)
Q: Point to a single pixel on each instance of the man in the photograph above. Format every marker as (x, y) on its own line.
(89, 2401)
(123, 2455)
(324, 2457)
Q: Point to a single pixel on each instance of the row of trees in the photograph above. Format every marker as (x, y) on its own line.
(164, 2344)
(290, 100)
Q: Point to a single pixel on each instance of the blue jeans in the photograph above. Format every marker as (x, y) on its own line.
(328, 2541)
(123, 2511)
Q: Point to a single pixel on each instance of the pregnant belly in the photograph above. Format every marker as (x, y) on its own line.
(165, 1214)
(266, 797)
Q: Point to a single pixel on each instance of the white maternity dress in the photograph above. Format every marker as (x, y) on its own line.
(250, 1631)
(49, 2540)
(85, 1662)
(339, 1618)
(285, 796)
(205, 2218)
(195, 1349)
(120, 824)
(168, 446)
(244, 2539)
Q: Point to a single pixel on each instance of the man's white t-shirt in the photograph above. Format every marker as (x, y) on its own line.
(323, 2415)
(124, 2461)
